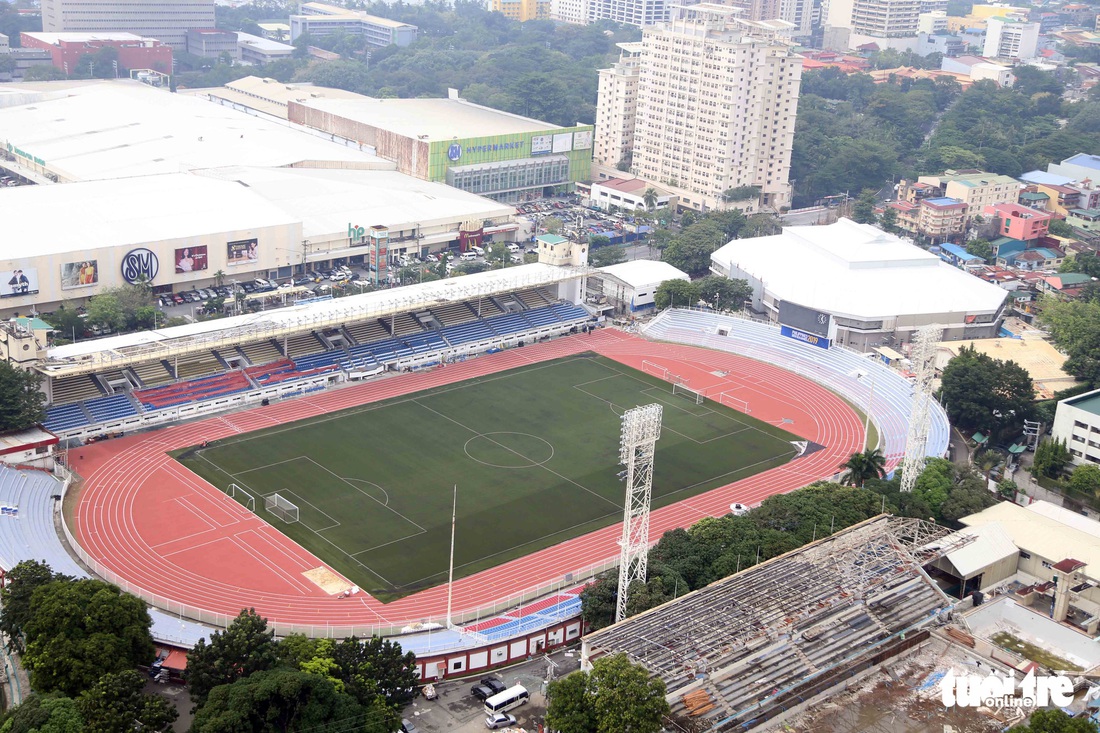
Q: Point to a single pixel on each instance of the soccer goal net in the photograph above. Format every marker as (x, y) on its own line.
(242, 496)
(735, 402)
(282, 508)
(691, 394)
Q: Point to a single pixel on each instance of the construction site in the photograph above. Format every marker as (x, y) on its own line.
(764, 645)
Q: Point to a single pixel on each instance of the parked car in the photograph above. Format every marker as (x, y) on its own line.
(482, 692)
(494, 684)
(408, 727)
(499, 720)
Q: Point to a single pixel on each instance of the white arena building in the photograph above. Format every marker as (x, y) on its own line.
(878, 288)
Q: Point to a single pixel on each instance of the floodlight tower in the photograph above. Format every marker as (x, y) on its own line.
(923, 357)
(641, 429)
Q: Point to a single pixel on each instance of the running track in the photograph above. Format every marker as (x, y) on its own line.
(174, 537)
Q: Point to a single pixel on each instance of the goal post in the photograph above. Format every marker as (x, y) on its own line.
(236, 492)
(281, 507)
(692, 394)
(656, 369)
(735, 402)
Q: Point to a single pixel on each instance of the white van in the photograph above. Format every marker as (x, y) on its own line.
(468, 255)
(502, 702)
(513, 247)
(476, 248)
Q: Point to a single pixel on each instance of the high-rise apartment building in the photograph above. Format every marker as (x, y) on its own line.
(641, 13)
(523, 10)
(888, 23)
(322, 19)
(165, 20)
(716, 105)
(569, 11)
(618, 104)
(1008, 38)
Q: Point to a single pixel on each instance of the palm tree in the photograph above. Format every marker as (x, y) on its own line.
(649, 198)
(219, 278)
(863, 466)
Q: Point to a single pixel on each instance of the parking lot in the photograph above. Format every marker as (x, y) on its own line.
(457, 710)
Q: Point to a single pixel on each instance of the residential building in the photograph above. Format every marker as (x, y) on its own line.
(1037, 258)
(639, 13)
(1060, 198)
(956, 255)
(1066, 285)
(320, 19)
(569, 11)
(1034, 199)
(134, 52)
(1077, 421)
(5, 45)
(523, 10)
(704, 127)
(977, 189)
(1087, 219)
(977, 68)
(617, 107)
(1008, 38)
(165, 20)
(915, 192)
(934, 22)
(989, 10)
(941, 218)
(907, 215)
(942, 43)
(1019, 222)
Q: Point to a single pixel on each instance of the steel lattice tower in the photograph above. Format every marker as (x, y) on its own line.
(641, 429)
(923, 358)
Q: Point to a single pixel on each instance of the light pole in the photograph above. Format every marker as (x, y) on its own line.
(861, 375)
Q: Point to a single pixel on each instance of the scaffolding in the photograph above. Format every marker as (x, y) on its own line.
(749, 648)
(923, 358)
(637, 445)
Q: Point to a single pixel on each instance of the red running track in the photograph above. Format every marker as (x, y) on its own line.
(147, 519)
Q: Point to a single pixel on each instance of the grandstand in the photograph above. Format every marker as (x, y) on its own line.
(121, 383)
(31, 535)
(747, 650)
(836, 368)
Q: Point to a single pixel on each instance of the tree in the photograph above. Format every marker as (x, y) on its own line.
(980, 392)
(244, 648)
(863, 211)
(935, 483)
(80, 630)
(1051, 456)
(1007, 488)
(649, 197)
(675, 292)
(1074, 325)
(375, 666)
(44, 714)
(43, 72)
(1085, 479)
(21, 403)
(116, 703)
(691, 250)
(615, 697)
(552, 224)
(598, 240)
(1059, 228)
(740, 193)
(279, 700)
(1054, 720)
(980, 248)
(968, 496)
(607, 256)
(863, 466)
(22, 581)
(722, 293)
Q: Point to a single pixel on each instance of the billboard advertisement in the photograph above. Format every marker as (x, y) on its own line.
(190, 259)
(542, 144)
(563, 142)
(807, 338)
(242, 252)
(804, 319)
(14, 283)
(79, 274)
(582, 140)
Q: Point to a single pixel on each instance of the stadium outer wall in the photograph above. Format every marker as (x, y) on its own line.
(121, 508)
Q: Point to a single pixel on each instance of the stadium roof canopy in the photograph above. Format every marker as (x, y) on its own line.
(279, 322)
(121, 128)
(856, 271)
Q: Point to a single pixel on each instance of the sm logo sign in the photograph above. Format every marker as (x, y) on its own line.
(140, 265)
(356, 232)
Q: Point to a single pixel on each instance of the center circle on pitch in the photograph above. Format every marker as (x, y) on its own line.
(509, 450)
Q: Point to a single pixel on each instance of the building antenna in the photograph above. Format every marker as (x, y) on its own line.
(451, 567)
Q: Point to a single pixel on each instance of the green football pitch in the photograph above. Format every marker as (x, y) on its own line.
(534, 452)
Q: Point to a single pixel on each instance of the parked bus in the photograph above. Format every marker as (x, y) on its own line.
(502, 702)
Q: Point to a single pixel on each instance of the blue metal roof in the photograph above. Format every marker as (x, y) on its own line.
(958, 251)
